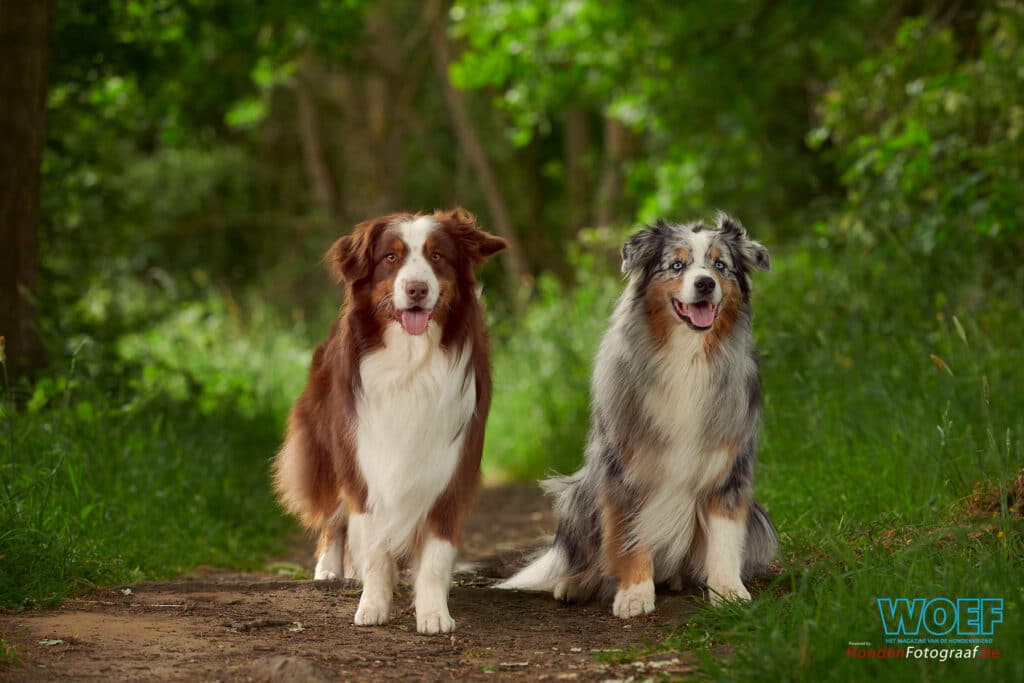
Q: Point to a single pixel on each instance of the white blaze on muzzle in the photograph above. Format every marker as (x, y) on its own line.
(416, 271)
(697, 305)
(700, 245)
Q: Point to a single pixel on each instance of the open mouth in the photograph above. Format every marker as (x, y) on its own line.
(414, 320)
(700, 315)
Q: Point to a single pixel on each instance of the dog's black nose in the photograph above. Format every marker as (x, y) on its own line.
(705, 285)
(416, 290)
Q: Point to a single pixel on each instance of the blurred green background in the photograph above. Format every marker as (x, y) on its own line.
(200, 155)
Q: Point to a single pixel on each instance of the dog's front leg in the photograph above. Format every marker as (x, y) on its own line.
(632, 566)
(433, 579)
(376, 569)
(726, 539)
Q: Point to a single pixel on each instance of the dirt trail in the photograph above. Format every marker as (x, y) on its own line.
(257, 627)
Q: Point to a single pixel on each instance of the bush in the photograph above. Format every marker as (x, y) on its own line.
(928, 137)
(162, 468)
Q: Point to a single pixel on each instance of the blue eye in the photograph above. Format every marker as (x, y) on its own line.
(720, 265)
(677, 266)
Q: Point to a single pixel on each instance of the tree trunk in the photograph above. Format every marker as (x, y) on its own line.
(515, 262)
(374, 113)
(24, 54)
(618, 147)
(576, 182)
(314, 153)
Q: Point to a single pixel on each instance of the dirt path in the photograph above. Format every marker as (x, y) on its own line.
(258, 627)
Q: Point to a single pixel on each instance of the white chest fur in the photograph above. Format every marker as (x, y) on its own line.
(677, 404)
(416, 400)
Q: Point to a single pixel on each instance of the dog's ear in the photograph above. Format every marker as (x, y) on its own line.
(754, 254)
(643, 246)
(476, 244)
(350, 258)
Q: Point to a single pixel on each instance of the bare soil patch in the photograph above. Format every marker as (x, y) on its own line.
(229, 626)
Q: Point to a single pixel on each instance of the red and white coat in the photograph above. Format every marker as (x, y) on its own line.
(383, 448)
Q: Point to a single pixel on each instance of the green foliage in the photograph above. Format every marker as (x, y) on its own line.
(154, 177)
(108, 484)
(931, 144)
(541, 372)
(9, 656)
(210, 355)
(706, 88)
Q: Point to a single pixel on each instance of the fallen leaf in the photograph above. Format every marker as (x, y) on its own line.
(49, 642)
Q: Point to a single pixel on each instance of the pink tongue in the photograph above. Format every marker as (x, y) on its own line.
(702, 314)
(415, 322)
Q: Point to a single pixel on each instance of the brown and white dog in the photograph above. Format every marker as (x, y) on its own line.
(382, 454)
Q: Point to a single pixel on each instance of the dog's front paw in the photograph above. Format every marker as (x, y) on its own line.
(372, 613)
(634, 600)
(434, 621)
(324, 575)
(722, 592)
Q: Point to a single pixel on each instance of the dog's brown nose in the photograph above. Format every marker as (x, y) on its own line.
(416, 291)
(705, 285)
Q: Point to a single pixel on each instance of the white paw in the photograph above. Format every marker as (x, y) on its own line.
(434, 621)
(327, 568)
(634, 600)
(567, 591)
(721, 592)
(372, 613)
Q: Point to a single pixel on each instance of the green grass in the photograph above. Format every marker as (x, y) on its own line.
(9, 656)
(149, 473)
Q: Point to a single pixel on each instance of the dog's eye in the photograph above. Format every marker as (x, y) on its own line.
(677, 266)
(391, 257)
(436, 256)
(720, 265)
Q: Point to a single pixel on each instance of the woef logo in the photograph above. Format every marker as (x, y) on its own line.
(940, 629)
(940, 616)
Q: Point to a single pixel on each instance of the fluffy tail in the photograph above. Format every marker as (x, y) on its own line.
(305, 481)
(539, 575)
(762, 542)
(553, 565)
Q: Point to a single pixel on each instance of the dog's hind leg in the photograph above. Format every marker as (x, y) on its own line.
(577, 588)
(331, 548)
